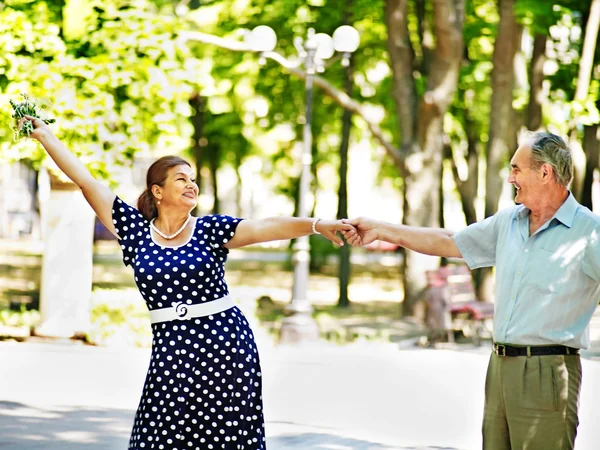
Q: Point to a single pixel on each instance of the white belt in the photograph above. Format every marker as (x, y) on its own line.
(181, 311)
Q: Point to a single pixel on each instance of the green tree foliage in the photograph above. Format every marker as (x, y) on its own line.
(118, 84)
(271, 102)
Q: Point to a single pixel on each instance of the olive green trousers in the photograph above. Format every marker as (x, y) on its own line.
(531, 402)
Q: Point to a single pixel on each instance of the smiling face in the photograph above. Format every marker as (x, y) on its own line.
(179, 188)
(527, 180)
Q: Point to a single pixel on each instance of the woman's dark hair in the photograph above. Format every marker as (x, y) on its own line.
(157, 174)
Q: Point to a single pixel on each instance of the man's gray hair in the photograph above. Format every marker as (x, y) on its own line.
(548, 148)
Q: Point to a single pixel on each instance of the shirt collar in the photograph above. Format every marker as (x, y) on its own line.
(565, 214)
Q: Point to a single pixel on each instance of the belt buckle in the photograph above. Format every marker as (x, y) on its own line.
(500, 349)
(181, 310)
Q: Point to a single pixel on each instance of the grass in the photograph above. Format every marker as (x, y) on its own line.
(19, 278)
(119, 317)
(17, 319)
(369, 320)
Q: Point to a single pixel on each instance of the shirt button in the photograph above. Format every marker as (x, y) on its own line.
(526, 250)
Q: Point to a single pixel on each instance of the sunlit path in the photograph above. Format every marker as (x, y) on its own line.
(362, 396)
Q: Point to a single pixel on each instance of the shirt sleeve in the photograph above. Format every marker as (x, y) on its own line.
(477, 243)
(220, 229)
(129, 225)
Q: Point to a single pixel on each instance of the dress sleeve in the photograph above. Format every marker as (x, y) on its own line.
(220, 229)
(129, 225)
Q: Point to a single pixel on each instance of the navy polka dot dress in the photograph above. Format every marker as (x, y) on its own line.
(203, 387)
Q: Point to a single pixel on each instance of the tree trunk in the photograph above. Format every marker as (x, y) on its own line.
(536, 80)
(501, 113)
(344, 252)
(520, 86)
(238, 193)
(239, 185)
(591, 147)
(467, 188)
(586, 64)
(212, 154)
(501, 139)
(198, 104)
(421, 209)
(401, 56)
(441, 198)
(421, 127)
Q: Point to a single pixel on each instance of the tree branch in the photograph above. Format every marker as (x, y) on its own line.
(338, 96)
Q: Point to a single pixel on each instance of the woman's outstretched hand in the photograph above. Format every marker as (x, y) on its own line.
(330, 228)
(39, 127)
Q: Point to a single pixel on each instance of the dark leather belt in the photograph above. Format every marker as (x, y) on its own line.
(533, 350)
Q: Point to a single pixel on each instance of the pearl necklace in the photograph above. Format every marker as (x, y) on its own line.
(160, 233)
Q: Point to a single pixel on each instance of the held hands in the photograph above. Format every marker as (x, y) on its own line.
(363, 232)
(357, 232)
(329, 229)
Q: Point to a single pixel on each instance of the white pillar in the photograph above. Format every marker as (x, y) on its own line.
(66, 285)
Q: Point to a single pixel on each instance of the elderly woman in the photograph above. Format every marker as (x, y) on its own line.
(203, 387)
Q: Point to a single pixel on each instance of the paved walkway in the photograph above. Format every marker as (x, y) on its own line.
(361, 396)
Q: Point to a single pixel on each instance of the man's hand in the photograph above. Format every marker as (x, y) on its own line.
(366, 231)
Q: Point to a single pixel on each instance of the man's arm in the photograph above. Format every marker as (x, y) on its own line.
(429, 241)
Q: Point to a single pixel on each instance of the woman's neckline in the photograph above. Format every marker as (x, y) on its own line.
(195, 219)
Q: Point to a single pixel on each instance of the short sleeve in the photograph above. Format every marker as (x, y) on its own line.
(220, 229)
(129, 225)
(477, 243)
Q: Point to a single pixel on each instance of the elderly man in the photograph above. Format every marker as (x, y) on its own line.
(546, 251)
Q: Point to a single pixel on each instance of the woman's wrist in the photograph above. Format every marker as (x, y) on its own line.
(43, 135)
(315, 222)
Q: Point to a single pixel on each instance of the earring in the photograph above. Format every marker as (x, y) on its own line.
(158, 203)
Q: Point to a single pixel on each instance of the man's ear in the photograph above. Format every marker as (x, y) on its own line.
(547, 173)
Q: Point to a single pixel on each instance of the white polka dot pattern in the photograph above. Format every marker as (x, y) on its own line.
(203, 389)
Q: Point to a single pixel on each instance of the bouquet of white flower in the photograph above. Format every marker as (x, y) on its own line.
(27, 107)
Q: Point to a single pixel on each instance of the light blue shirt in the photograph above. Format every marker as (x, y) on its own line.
(547, 284)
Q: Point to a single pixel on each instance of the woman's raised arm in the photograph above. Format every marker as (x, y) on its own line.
(97, 194)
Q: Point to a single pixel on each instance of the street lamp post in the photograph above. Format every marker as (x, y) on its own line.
(299, 324)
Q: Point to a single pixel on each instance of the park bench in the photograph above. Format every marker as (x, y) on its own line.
(451, 287)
